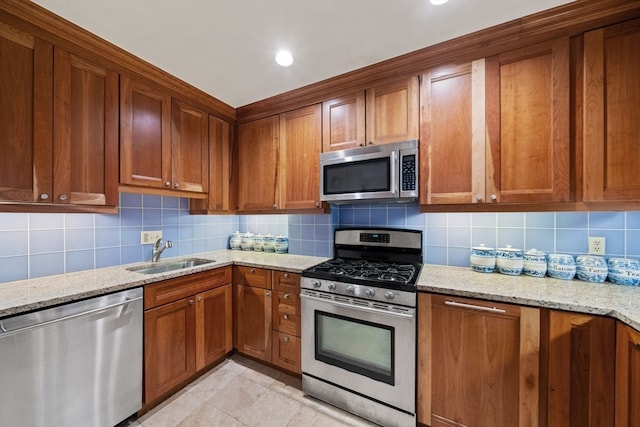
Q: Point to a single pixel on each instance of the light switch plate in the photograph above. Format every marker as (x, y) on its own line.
(150, 237)
(597, 245)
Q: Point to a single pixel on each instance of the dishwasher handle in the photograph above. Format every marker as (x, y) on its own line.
(5, 332)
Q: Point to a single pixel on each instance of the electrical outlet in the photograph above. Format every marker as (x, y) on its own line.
(596, 245)
(150, 237)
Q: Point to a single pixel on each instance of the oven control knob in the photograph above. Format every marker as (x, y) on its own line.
(351, 289)
(389, 295)
(316, 283)
(331, 286)
(370, 292)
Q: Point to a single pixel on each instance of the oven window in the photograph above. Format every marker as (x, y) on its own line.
(358, 346)
(365, 176)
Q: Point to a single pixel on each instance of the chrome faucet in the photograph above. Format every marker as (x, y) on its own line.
(158, 249)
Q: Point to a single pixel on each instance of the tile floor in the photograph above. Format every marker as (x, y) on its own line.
(242, 393)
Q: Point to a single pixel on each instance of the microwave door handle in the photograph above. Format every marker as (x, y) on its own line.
(394, 173)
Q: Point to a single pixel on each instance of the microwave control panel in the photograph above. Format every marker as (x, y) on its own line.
(408, 172)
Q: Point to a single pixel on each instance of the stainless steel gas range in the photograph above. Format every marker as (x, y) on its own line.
(359, 324)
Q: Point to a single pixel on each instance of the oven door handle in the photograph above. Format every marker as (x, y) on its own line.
(361, 308)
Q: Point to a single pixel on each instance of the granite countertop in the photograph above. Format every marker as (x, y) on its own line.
(605, 299)
(620, 302)
(32, 294)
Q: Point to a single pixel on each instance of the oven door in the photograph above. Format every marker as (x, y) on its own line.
(363, 349)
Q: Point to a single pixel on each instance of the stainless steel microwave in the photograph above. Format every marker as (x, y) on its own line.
(387, 172)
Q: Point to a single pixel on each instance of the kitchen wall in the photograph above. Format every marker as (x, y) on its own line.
(36, 245)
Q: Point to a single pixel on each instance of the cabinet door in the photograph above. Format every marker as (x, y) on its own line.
(220, 161)
(627, 376)
(478, 363)
(343, 122)
(452, 146)
(214, 328)
(169, 348)
(581, 370)
(611, 129)
(26, 115)
(258, 166)
(254, 322)
(189, 148)
(527, 107)
(145, 135)
(85, 133)
(299, 169)
(392, 111)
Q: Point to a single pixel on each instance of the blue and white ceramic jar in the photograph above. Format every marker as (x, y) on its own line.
(268, 244)
(235, 241)
(258, 243)
(624, 271)
(561, 266)
(535, 263)
(509, 261)
(483, 259)
(247, 241)
(591, 268)
(281, 244)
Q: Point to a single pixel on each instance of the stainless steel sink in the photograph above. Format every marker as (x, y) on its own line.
(163, 267)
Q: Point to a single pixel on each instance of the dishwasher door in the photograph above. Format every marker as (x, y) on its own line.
(79, 364)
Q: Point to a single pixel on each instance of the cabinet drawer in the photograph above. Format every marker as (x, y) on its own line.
(286, 282)
(286, 312)
(286, 351)
(181, 287)
(252, 276)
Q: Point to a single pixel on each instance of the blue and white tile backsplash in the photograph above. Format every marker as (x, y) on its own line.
(36, 245)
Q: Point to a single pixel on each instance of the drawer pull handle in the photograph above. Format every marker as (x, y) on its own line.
(286, 339)
(285, 317)
(475, 307)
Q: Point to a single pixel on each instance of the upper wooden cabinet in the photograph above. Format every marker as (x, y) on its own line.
(163, 141)
(343, 123)
(611, 99)
(279, 161)
(452, 140)
(527, 113)
(627, 376)
(386, 113)
(58, 126)
(478, 363)
(221, 177)
(299, 165)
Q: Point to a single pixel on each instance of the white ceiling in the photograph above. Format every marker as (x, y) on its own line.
(226, 47)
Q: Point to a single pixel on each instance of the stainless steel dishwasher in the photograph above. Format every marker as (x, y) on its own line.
(78, 364)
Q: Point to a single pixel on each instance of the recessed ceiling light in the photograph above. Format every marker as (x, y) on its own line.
(284, 58)
(438, 2)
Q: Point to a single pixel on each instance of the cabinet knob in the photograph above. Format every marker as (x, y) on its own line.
(190, 302)
(285, 317)
(286, 296)
(44, 196)
(275, 206)
(361, 145)
(494, 197)
(286, 339)
(199, 299)
(167, 184)
(317, 204)
(268, 293)
(176, 185)
(286, 275)
(63, 197)
(478, 197)
(370, 142)
(252, 270)
(638, 346)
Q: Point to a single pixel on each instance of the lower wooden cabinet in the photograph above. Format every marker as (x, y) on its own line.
(627, 376)
(478, 363)
(581, 366)
(187, 327)
(268, 320)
